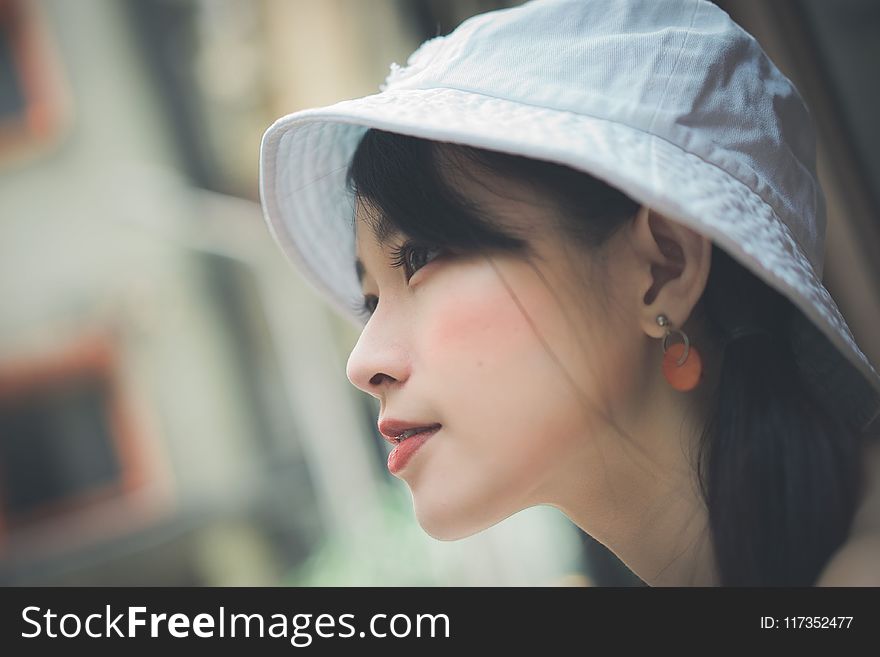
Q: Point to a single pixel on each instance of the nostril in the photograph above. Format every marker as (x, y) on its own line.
(377, 378)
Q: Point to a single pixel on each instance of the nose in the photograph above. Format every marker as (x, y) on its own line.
(377, 361)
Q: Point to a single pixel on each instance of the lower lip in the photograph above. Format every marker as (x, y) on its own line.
(402, 452)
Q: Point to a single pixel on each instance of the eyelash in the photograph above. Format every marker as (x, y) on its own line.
(399, 258)
(399, 255)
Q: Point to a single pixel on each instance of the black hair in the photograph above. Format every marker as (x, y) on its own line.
(779, 468)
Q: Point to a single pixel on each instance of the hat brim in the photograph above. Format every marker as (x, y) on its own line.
(305, 156)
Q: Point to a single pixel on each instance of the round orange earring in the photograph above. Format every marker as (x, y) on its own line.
(682, 365)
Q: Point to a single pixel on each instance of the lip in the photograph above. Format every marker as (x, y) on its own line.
(390, 428)
(404, 451)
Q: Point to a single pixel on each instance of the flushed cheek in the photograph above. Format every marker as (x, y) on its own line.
(473, 320)
(468, 329)
(488, 371)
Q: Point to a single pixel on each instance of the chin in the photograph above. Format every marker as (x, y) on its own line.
(447, 531)
(448, 523)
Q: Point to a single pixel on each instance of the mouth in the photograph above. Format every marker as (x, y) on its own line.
(409, 433)
(399, 431)
(407, 445)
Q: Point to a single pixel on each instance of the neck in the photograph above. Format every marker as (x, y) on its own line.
(647, 507)
(660, 533)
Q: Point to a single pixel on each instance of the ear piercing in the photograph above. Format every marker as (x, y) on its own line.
(682, 365)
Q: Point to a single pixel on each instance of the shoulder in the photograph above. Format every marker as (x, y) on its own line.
(856, 563)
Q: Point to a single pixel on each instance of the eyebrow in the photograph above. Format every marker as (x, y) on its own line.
(383, 231)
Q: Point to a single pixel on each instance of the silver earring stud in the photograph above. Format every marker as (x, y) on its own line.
(663, 321)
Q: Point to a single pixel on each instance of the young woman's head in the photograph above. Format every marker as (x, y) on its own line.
(514, 302)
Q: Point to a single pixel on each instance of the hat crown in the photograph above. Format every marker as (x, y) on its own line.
(682, 70)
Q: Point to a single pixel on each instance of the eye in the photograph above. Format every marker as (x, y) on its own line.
(412, 257)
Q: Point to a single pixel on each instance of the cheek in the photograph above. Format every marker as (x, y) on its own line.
(471, 328)
(491, 376)
(514, 421)
(471, 325)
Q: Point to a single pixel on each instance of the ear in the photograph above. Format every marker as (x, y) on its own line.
(673, 262)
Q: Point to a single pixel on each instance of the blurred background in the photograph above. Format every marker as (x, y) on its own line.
(173, 402)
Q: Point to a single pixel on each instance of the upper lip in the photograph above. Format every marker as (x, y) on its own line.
(391, 428)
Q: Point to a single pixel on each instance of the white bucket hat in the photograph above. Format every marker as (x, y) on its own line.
(670, 101)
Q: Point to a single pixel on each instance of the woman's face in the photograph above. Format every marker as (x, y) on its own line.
(495, 349)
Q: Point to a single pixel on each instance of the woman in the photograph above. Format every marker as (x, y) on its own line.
(584, 240)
